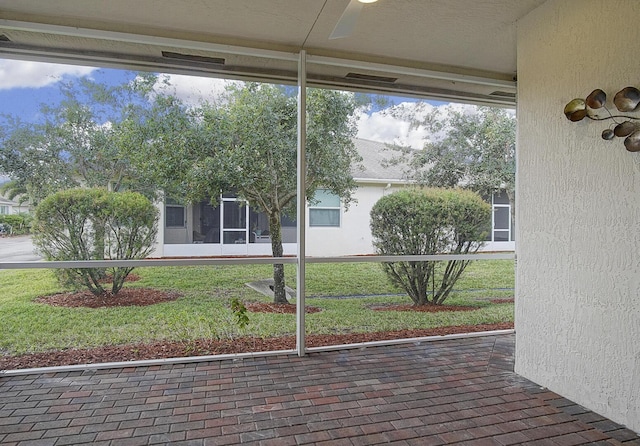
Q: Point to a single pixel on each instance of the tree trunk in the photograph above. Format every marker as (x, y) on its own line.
(275, 230)
(100, 246)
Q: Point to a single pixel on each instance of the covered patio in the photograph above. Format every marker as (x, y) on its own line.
(456, 391)
(578, 205)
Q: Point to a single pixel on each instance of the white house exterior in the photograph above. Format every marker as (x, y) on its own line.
(9, 207)
(332, 230)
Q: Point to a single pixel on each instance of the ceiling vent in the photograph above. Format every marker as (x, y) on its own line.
(503, 94)
(4, 38)
(193, 58)
(368, 77)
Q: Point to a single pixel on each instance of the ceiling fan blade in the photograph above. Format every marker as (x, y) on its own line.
(347, 23)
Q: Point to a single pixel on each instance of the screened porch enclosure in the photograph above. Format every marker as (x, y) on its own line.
(228, 226)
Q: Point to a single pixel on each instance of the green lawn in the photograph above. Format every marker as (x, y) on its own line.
(203, 310)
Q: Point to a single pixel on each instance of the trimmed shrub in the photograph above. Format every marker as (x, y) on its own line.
(18, 224)
(94, 224)
(425, 222)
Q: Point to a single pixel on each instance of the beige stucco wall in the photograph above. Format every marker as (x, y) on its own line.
(578, 240)
(353, 237)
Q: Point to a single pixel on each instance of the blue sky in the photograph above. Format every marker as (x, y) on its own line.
(25, 85)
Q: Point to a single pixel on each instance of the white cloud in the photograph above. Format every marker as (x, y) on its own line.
(193, 90)
(379, 126)
(22, 74)
(393, 125)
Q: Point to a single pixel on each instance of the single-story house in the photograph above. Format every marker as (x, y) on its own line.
(231, 228)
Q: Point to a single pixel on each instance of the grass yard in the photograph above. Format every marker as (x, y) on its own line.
(344, 292)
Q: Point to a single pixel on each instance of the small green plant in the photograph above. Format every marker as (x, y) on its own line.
(239, 313)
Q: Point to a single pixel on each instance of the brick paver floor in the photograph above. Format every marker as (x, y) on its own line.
(459, 391)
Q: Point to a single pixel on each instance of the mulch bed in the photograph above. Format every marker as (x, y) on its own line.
(502, 301)
(127, 297)
(170, 349)
(421, 308)
(159, 350)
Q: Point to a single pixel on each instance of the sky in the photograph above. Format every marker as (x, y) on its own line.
(25, 85)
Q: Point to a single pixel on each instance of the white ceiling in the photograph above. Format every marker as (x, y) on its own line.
(433, 48)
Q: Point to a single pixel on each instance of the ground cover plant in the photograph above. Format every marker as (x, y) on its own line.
(200, 312)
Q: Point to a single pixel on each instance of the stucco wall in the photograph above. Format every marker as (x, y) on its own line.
(353, 237)
(578, 240)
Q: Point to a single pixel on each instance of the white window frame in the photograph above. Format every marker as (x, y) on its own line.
(326, 208)
(493, 223)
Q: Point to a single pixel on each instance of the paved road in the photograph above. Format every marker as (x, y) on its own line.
(17, 249)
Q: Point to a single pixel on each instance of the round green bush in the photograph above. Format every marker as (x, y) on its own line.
(95, 224)
(425, 222)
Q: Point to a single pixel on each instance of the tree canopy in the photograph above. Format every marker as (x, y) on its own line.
(135, 137)
(79, 142)
(476, 150)
(247, 143)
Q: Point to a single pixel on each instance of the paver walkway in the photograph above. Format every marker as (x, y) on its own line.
(447, 392)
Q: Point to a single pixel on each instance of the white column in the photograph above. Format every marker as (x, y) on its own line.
(302, 202)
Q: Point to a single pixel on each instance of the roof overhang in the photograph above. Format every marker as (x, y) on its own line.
(247, 40)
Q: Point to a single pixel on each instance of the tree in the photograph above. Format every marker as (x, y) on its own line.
(424, 222)
(79, 142)
(12, 190)
(247, 143)
(477, 151)
(94, 224)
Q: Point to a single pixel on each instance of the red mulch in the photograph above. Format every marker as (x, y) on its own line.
(502, 301)
(127, 297)
(164, 349)
(170, 349)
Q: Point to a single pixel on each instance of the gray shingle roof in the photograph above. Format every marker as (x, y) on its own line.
(6, 201)
(373, 166)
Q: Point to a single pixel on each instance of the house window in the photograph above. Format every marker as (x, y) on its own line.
(4, 210)
(174, 214)
(326, 212)
(501, 221)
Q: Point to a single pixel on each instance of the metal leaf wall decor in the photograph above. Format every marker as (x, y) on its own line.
(626, 100)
